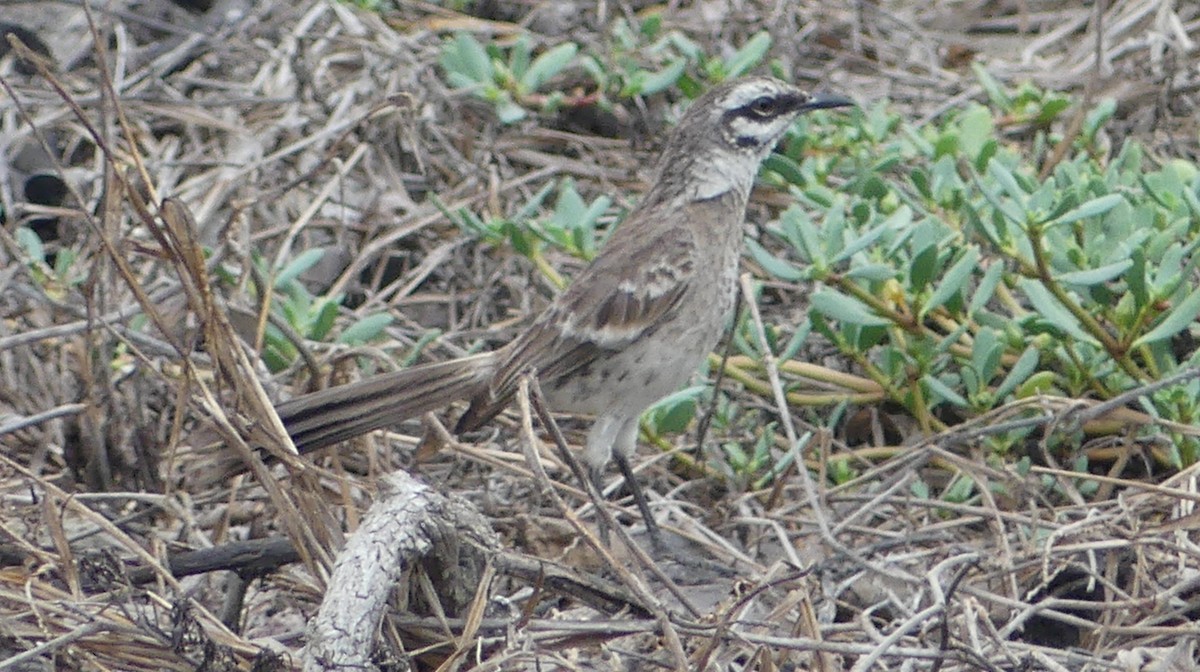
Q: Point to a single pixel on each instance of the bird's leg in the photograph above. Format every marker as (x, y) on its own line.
(596, 475)
(624, 445)
(615, 437)
(639, 496)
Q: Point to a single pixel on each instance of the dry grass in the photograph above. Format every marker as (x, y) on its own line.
(311, 124)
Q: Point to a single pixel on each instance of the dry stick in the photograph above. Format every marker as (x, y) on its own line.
(266, 289)
(175, 239)
(84, 630)
(29, 420)
(726, 351)
(529, 394)
(557, 629)
(785, 416)
(1089, 93)
(406, 524)
(560, 442)
(1076, 415)
(600, 594)
(254, 558)
(467, 639)
(724, 626)
(285, 247)
(178, 238)
(404, 286)
(73, 328)
(376, 247)
(110, 248)
(315, 204)
(114, 254)
(895, 635)
(1082, 416)
(313, 541)
(71, 503)
(944, 598)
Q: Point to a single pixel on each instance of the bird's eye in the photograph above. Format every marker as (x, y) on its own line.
(763, 107)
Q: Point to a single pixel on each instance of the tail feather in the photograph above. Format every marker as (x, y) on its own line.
(330, 416)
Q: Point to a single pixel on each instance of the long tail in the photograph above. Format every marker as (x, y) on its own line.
(339, 413)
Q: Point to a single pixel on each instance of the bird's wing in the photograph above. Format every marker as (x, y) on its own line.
(623, 296)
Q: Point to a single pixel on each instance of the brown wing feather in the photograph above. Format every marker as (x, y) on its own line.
(621, 297)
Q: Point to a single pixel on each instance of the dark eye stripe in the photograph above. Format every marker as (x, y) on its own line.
(747, 112)
(766, 107)
(779, 104)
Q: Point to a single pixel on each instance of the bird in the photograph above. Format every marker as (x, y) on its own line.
(634, 325)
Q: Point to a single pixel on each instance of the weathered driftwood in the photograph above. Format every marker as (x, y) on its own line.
(409, 524)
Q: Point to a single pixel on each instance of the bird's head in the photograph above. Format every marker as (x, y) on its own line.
(729, 130)
(751, 114)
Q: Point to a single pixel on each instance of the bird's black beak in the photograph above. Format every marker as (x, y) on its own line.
(825, 101)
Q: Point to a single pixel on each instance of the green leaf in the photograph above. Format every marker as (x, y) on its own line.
(523, 240)
(1096, 118)
(735, 456)
(569, 206)
(953, 281)
(985, 354)
(296, 267)
(63, 262)
(919, 177)
(323, 322)
(672, 413)
(1135, 279)
(531, 206)
(919, 489)
(1008, 182)
(1051, 108)
(786, 167)
(651, 25)
(1095, 276)
(594, 211)
(547, 65)
(277, 352)
(32, 244)
(943, 391)
(748, 56)
(470, 58)
(976, 129)
(899, 219)
(458, 80)
(1169, 273)
(845, 309)
(507, 111)
(987, 287)
(803, 234)
(797, 341)
(518, 59)
(366, 329)
(873, 272)
(654, 82)
(995, 91)
(774, 265)
(1041, 382)
(1093, 208)
(960, 490)
(1020, 371)
(1053, 311)
(924, 265)
(1175, 321)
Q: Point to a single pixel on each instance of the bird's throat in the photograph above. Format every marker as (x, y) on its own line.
(719, 173)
